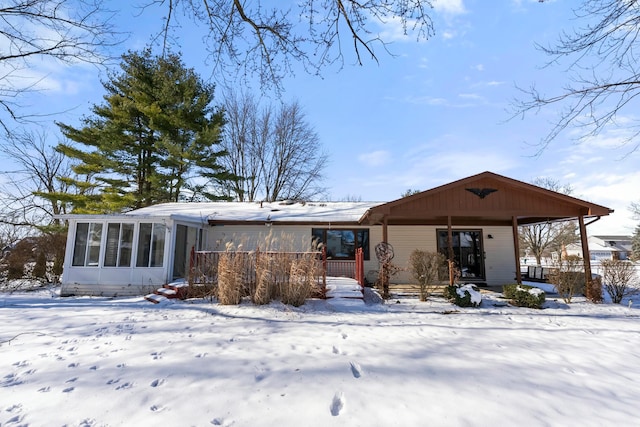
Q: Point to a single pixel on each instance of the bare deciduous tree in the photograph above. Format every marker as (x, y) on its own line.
(258, 38)
(545, 236)
(30, 189)
(69, 31)
(275, 150)
(604, 79)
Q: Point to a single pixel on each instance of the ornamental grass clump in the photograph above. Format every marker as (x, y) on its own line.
(265, 288)
(463, 295)
(231, 277)
(301, 281)
(524, 295)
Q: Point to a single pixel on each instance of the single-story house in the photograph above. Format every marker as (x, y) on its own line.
(605, 248)
(474, 221)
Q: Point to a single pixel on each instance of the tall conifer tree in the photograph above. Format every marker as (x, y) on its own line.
(140, 147)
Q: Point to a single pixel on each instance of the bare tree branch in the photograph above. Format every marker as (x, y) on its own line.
(252, 38)
(68, 31)
(604, 79)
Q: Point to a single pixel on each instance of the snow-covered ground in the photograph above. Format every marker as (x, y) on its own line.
(124, 361)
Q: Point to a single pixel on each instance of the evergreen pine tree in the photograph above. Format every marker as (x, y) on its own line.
(140, 147)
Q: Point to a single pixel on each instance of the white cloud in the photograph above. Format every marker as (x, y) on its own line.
(375, 158)
(471, 96)
(448, 34)
(478, 67)
(450, 7)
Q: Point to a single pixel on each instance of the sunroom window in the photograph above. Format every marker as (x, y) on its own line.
(150, 245)
(119, 243)
(342, 243)
(86, 248)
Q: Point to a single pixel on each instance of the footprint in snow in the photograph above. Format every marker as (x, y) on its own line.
(336, 350)
(337, 404)
(221, 422)
(68, 389)
(124, 386)
(157, 382)
(356, 370)
(156, 408)
(15, 420)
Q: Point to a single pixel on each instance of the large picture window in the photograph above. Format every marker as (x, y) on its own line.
(150, 245)
(118, 247)
(86, 248)
(342, 243)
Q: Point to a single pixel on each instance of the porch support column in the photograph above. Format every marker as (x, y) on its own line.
(593, 291)
(450, 251)
(516, 248)
(385, 235)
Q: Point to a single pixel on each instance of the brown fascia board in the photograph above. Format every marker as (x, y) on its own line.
(214, 223)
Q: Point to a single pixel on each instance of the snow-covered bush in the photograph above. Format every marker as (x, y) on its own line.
(463, 295)
(619, 278)
(524, 296)
(426, 268)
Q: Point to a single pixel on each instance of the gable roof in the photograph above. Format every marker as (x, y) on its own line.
(484, 199)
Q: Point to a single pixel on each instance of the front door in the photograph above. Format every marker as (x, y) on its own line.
(468, 252)
(186, 238)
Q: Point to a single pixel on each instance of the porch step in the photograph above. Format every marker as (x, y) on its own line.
(174, 290)
(177, 290)
(155, 298)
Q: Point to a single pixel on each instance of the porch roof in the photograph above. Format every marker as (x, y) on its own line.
(483, 199)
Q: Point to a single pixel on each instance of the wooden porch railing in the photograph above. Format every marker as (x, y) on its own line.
(353, 269)
(203, 265)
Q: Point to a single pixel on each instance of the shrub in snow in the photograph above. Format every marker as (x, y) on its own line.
(524, 296)
(619, 279)
(568, 276)
(463, 295)
(426, 267)
(40, 267)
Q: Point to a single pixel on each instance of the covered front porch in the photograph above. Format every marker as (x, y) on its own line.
(477, 218)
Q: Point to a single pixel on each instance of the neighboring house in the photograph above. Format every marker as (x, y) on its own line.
(473, 221)
(605, 248)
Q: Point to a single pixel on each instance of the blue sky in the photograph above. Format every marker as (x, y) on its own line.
(435, 111)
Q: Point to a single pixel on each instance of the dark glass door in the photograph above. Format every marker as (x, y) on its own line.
(468, 252)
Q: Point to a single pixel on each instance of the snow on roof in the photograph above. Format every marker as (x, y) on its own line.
(256, 211)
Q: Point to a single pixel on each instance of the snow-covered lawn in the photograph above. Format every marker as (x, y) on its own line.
(99, 361)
